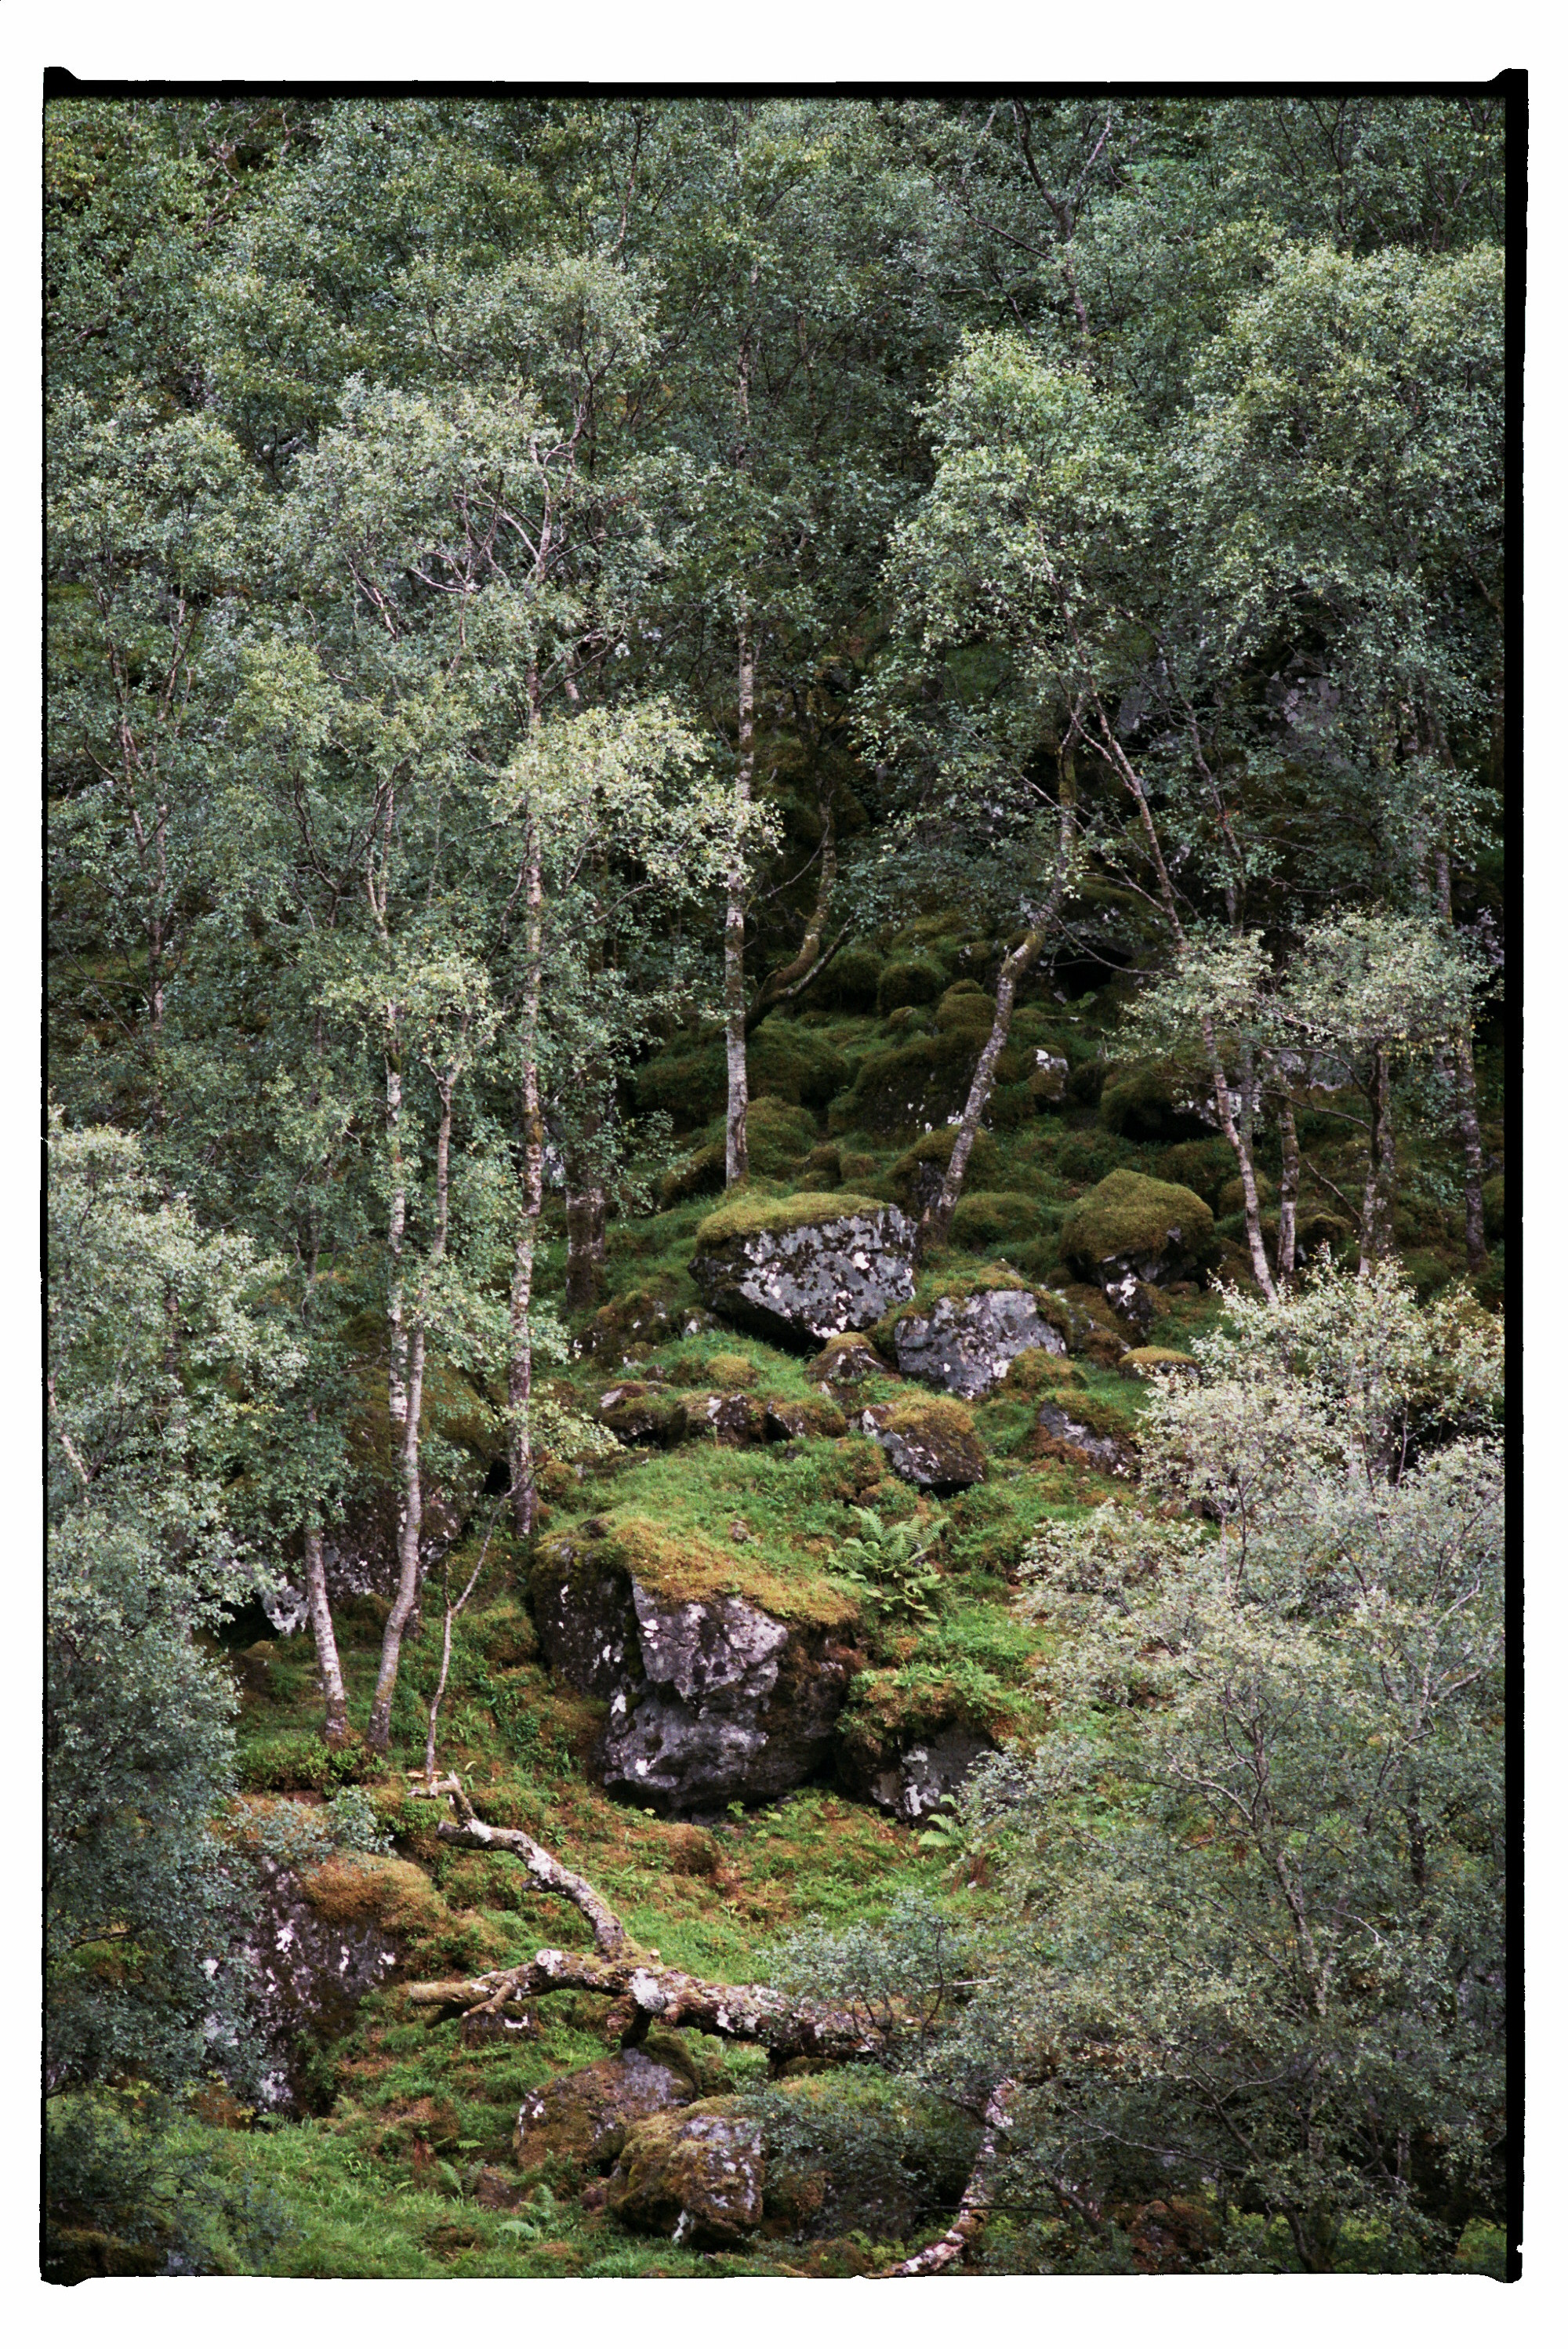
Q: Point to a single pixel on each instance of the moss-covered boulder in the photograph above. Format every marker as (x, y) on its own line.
(580, 2119)
(850, 981)
(965, 1344)
(695, 2176)
(1129, 1225)
(318, 1945)
(983, 1217)
(792, 1421)
(630, 1326)
(845, 1362)
(713, 1696)
(930, 1442)
(1203, 1166)
(808, 1266)
(718, 1418)
(914, 1179)
(1157, 1100)
(1232, 1199)
(924, 1082)
(911, 1770)
(792, 1063)
(638, 1412)
(909, 978)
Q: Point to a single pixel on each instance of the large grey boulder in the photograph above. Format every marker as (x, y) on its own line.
(965, 1343)
(712, 1699)
(798, 1269)
(310, 1973)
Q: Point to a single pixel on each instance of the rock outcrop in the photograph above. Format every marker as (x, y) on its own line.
(807, 1267)
(712, 1699)
(695, 2176)
(311, 1970)
(910, 1778)
(965, 1344)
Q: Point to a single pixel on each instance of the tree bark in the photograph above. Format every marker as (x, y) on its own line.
(735, 1162)
(379, 1734)
(1378, 1196)
(937, 1220)
(584, 1217)
(975, 2207)
(803, 966)
(1289, 1184)
(337, 1730)
(520, 1366)
(1467, 1119)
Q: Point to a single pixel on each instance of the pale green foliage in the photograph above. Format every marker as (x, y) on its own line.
(159, 1374)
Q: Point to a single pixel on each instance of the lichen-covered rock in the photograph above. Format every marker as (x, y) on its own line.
(965, 1344)
(1131, 1225)
(629, 1326)
(696, 2176)
(810, 1265)
(311, 1970)
(1101, 1446)
(910, 1776)
(712, 1699)
(581, 2118)
(931, 1443)
(1048, 1079)
(1159, 1100)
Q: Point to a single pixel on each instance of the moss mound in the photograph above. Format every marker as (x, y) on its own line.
(982, 1217)
(1203, 1166)
(1142, 1360)
(791, 1063)
(1034, 1371)
(850, 981)
(966, 1009)
(1133, 1216)
(909, 978)
(1156, 1101)
(1233, 1198)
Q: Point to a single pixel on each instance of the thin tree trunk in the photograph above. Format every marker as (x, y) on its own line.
(1378, 1196)
(379, 1734)
(975, 2207)
(337, 1732)
(937, 1220)
(520, 1368)
(1467, 1119)
(736, 1161)
(1289, 1184)
(396, 1219)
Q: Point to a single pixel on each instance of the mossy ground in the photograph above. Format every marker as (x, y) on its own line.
(379, 2182)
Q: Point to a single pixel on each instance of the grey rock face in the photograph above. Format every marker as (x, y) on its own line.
(815, 1280)
(1104, 1451)
(712, 1700)
(965, 1344)
(310, 1976)
(912, 1780)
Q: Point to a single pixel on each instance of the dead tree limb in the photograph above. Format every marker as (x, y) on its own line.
(610, 1936)
(975, 2207)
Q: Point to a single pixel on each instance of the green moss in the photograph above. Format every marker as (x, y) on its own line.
(909, 978)
(850, 981)
(792, 1063)
(1493, 1207)
(744, 1212)
(983, 1217)
(1140, 1360)
(1155, 1101)
(902, 1180)
(1203, 1166)
(1035, 1372)
(1132, 1214)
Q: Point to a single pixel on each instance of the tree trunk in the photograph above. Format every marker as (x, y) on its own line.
(937, 1220)
(803, 966)
(396, 1219)
(336, 1731)
(1289, 1185)
(735, 1162)
(519, 1367)
(1378, 1196)
(975, 2207)
(1464, 1090)
(1237, 1141)
(379, 1734)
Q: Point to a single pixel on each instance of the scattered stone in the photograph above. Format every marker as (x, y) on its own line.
(810, 1265)
(726, 1419)
(965, 1344)
(791, 1422)
(931, 1443)
(695, 2176)
(844, 1362)
(638, 1412)
(1049, 1077)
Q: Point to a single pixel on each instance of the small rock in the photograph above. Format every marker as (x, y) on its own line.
(583, 2116)
(931, 1444)
(1107, 1453)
